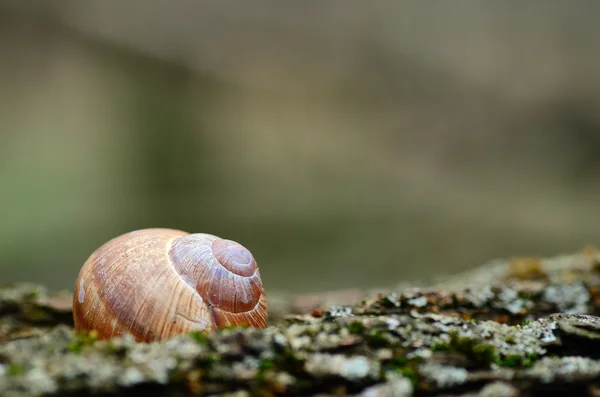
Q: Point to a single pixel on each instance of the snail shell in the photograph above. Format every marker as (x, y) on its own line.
(158, 283)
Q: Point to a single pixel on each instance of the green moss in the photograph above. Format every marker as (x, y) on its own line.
(410, 373)
(81, 340)
(356, 328)
(517, 361)
(208, 361)
(265, 365)
(484, 354)
(312, 332)
(398, 361)
(15, 369)
(200, 337)
(235, 327)
(377, 339)
(480, 353)
(288, 360)
(510, 361)
(403, 366)
(441, 347)
(32, 295)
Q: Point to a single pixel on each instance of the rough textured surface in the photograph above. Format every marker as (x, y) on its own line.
(522, 327)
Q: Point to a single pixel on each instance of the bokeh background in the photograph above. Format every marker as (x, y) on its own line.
(347, 144)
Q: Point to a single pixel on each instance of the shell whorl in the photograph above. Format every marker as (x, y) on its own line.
(228, 278)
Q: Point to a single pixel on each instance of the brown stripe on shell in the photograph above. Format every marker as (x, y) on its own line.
(256, 317)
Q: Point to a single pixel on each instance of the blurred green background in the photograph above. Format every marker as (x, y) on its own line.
(350, 144)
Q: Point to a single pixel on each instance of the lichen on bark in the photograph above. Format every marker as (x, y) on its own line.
(525, 326)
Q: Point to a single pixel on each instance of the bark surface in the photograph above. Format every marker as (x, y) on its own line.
(518, 327)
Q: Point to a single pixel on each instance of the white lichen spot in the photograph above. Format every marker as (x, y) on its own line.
(279, 339)
(392, 323)
(131, 376)
(284, 379)
(571, 299)
(340, 311)
(396, 386)
(479, 297)
(444, 376)
(39, 382)
(550, 369)
(355, 368)
(103, 375)
(508, 295)
(509, 300)
(393, 298)
(421, 301)
(500, 389)
(422, 353)
(517, 306)
(81, 295)
(160, 368)
(301, 342)
(548, 337)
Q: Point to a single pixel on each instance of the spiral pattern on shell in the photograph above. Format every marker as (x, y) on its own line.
(158, 283)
